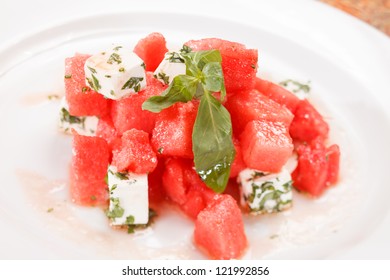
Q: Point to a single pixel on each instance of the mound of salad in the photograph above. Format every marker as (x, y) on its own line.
(195, 127)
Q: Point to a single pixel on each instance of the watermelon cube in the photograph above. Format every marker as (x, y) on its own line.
(88, 171)
(317, 167)
(277, 93)
(266, 145)
(184, 187)
(107, 131)
(308, 124)
(156, 193)
(219, 229)
(172, 134)
(82, 100)
(135, 154)
(151, 50)
(127, 113)
(239, 64)
(252, 105)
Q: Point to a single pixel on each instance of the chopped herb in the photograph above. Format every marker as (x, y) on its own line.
(122, 175)
(185, 49)
(164, 77)
(297, 86)
(253, 66)
(160, 150)
(66, 117)
(113, 188)
(107, 76)
(53, 97)
(85, 89)
(131, 227)
(92, 69)
(117, 211)
(50, 210)
(112, 92)
(114, 58)
(143, 65)
(94, 83)
(117, 48)
(121, 69)
(68, 76)
(133, 83)
(106, 179)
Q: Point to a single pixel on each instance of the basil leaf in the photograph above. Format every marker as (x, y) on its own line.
(195, 61)
(213, 78)
(212, 143)
(182, 89)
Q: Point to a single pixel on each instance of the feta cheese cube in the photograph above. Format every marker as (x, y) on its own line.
(128, 198)
(82, 125)
(115, 73)
(265, 192)
(171, 66)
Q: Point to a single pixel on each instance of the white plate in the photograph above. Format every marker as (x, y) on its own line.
(35, 158)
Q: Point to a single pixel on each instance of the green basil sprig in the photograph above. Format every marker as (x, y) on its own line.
(212, 133)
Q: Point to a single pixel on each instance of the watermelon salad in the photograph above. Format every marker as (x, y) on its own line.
(196, 128)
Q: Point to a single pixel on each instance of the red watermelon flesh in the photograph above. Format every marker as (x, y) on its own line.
(151, 50)
(88, 170)
(219, 229)
(82, 100)
(252, 105)
(135, 154)
(127, 113)
(184, 187)
(107, 131)
(239, 64)
(238, 164)
(266, 146)
(277, 93)
(156, 193)
(308, 124)
(172, 134)
(317, 168)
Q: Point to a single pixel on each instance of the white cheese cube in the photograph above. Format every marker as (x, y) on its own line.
(82, 125)
(128, 198)
(265, 192)
(115, 73)
(171, 66)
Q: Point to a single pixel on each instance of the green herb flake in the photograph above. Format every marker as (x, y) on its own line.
(93, 70)
(66, 117)
(107, 76)
(164, 77)
(114, 58)
(117, 48)
(53, 97)
(49, 210)
(143, 65)
(297, 86)
(122, 175)
(133, 83)
(68, 76)
(85, 89)
(117, 211)
(160, 150)
(121, 69)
